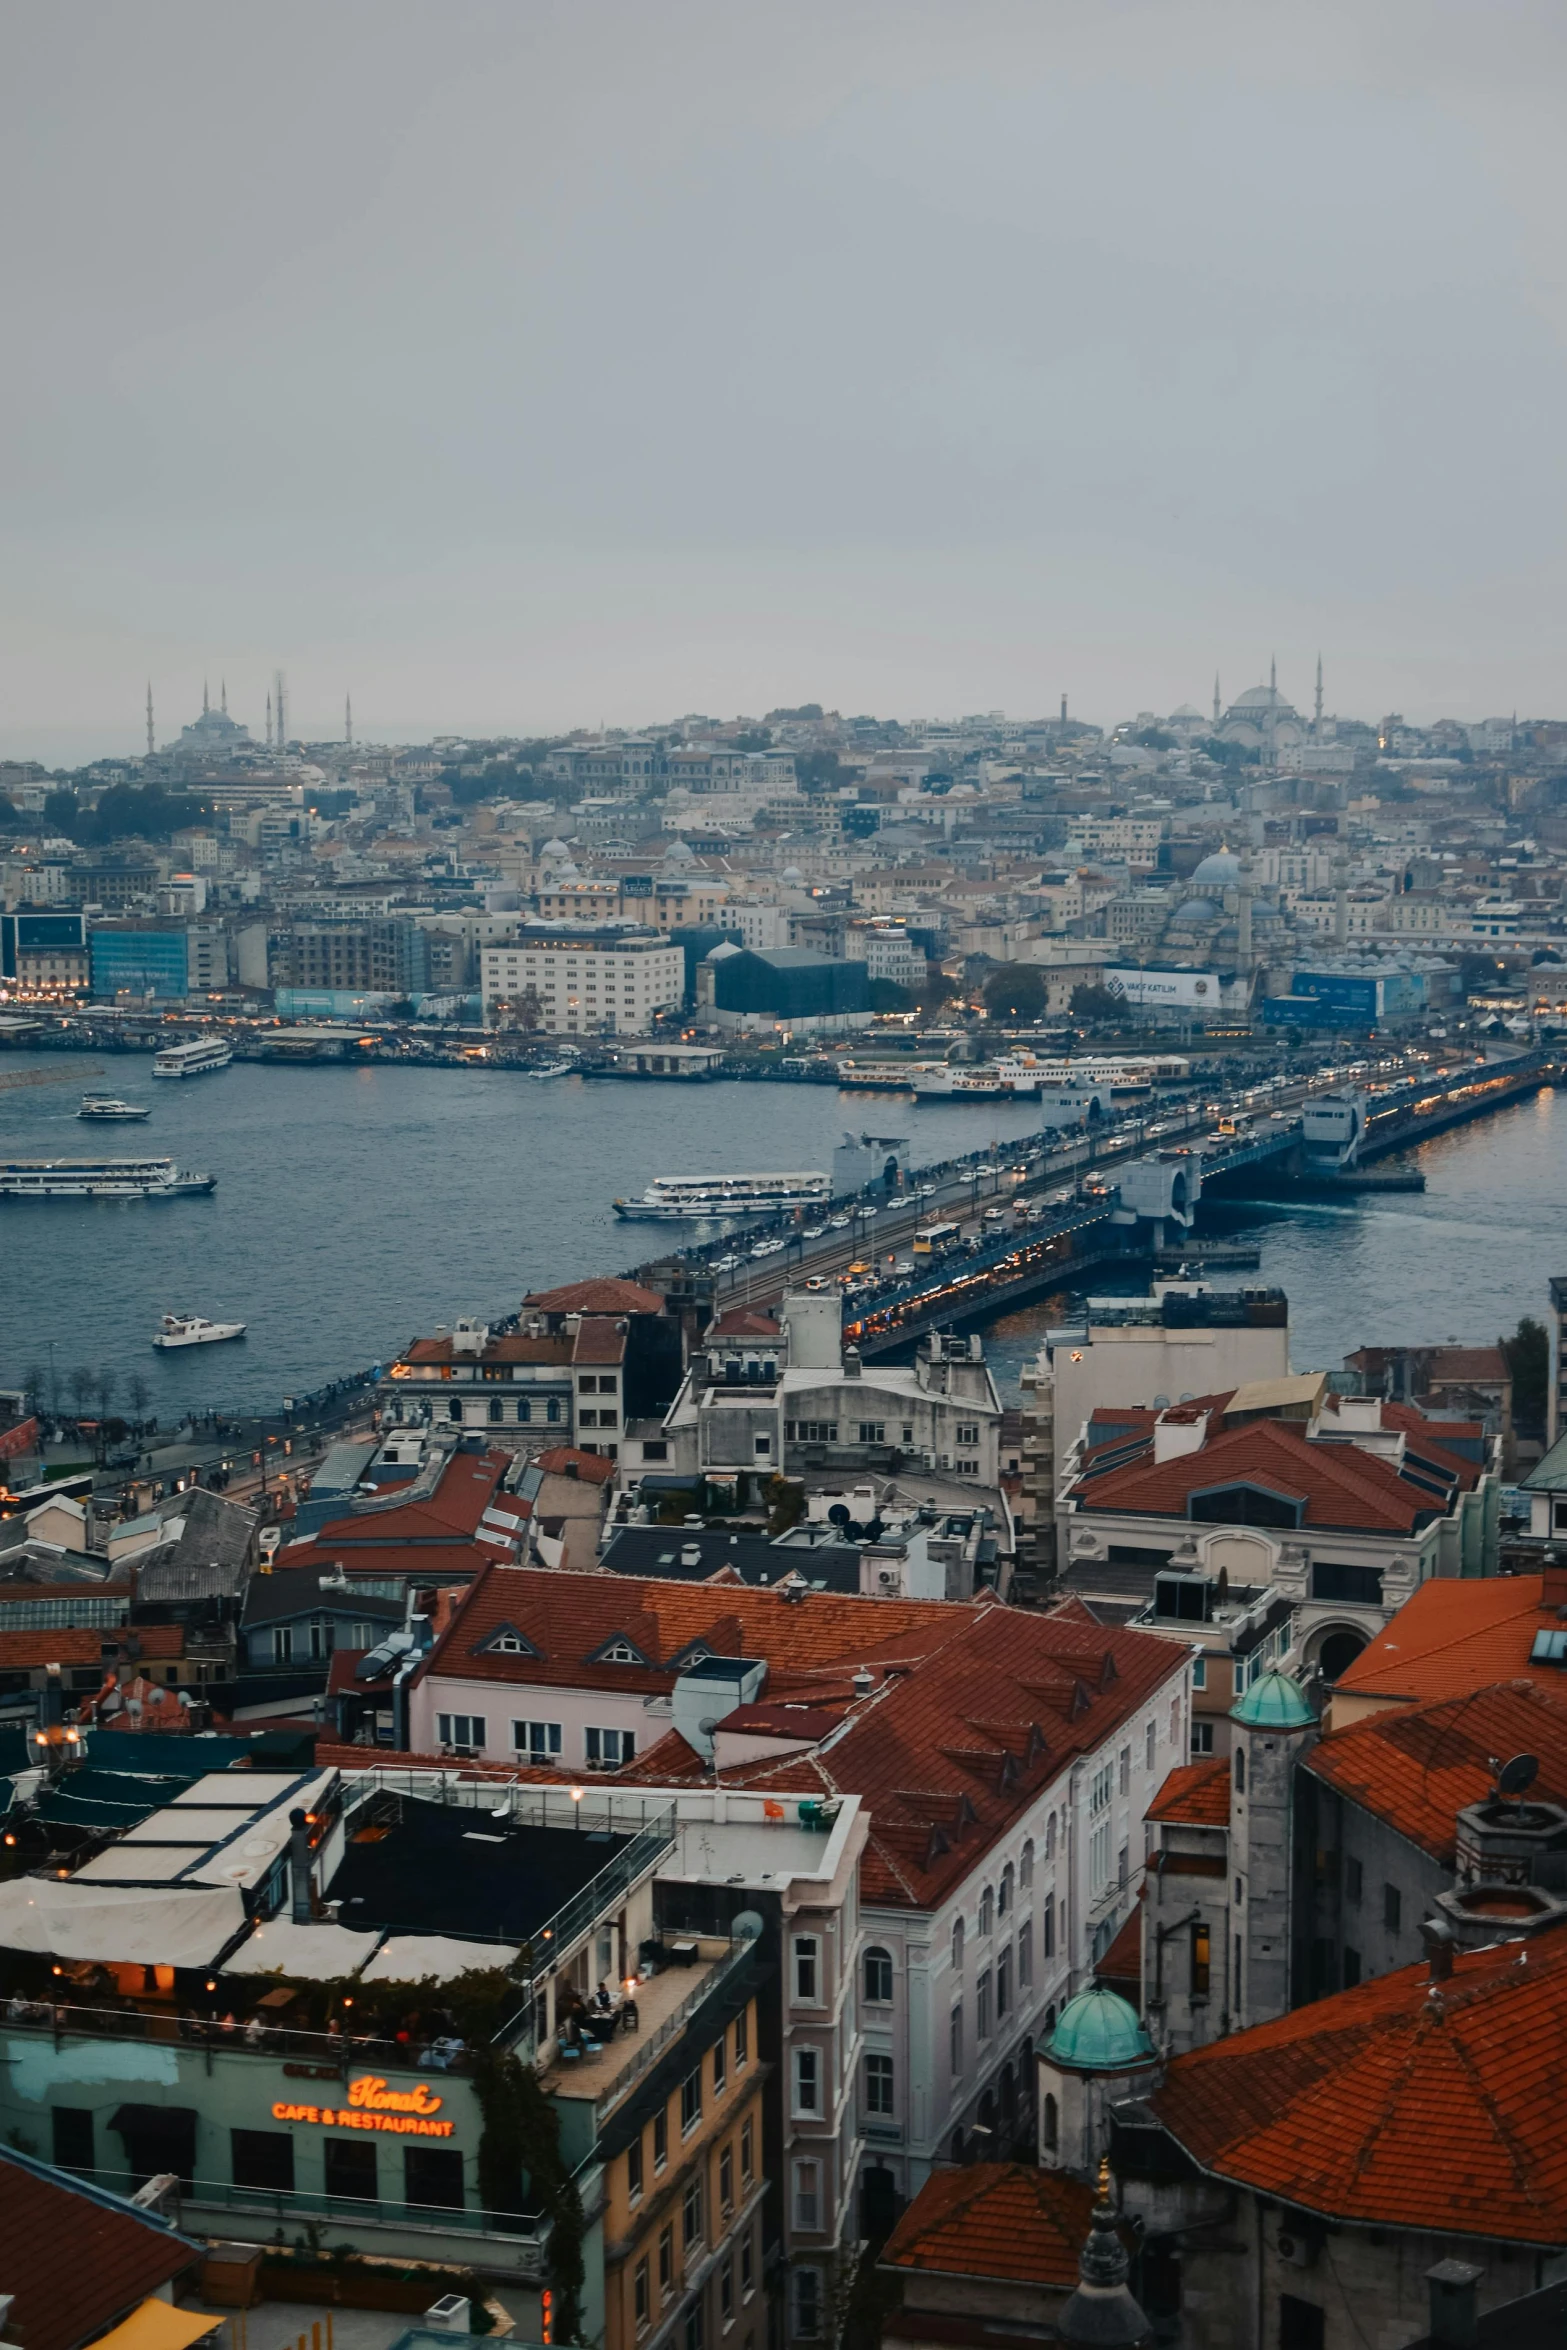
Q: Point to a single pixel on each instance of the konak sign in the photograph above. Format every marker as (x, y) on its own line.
(404, 2113)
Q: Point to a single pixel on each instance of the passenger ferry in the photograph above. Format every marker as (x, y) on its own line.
(1021, 1073)
(686, 1199)
(98, 1179)
(197, 1059)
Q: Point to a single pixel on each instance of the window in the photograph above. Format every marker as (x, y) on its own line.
(1202, 1737)
(747, 2267)
(459, 1730)
(1392, 1908)
(982, 2005)
(1199, 1672)
(1353, 1878)
(818, 1431)
(691, 2100)
(878, 1976)
(610, 1748)
(955, 2042)
(496, 1409)
(1124, 1768)
(1201, 1960)
(591, 1420)
(660, 2138)
(655, 1448)
(957, 1944)
(878, 2084)
(1050, 2125)
(873, 1432)
(350, 2168)
(806, 1968)
(282, 1643)
(642, 2297)
(666, 2263)
(1351, 1967)
(619, 1652)
(742, 2040)
(807, 2194)
(432, 2176)
(1121, 1860)
(72, 2128)
(726, 2181)
(726, 2292)
(540, 1741)
(1025, 1955)
(1101, 1788)
(1240, 1770)
(807, 2080)
(966, 1432)
(1301, 2324)
(1099, 1857)
(1048, 1920)
(691, 2213)
(1025, 1865)
(987, 1909)
(720, 2069)
(1151, 1741)
(634, 2169)
(1003, 1984)
(747, 2157)
(1050, 1837)
(1004, 1896)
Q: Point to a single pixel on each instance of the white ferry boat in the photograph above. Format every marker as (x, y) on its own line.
(973, 1081)
(98, 1179)
(687, 1199)
(109, 1106)
(197, 1059)
(191, 1330)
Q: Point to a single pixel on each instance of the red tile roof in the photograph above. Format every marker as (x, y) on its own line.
(1195, 1795)
(1121, 1967)
(451, 1510)
(76, 2259)
(599, 1340)
(983, 1709)
(1417, 1767)
(995, 2219)
(745, 1322)
(512, 1347)
(594, 1297)
(1451, 1636)
(1401, 2103)
(565, 1460)
(30, 1651)
(1339, 1485)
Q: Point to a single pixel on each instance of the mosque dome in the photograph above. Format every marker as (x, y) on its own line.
(554, 848)
(1263, 697)
(792, 873)
(1273, 1703)
(1220, 871)
(679, 852)
(1099, 2032)
(1194, 911)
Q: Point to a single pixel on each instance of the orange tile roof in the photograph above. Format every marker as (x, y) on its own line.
(452, 1509)
(593, 1468)
(599, 1340)
(29, 1651)
(1450, 1636)
(1339, 1485)
(1195, 1795)
(1401, 2103)
(995, 2219)
(1416, 1767)
(514, 1347)
(1121, 1967)
(745, 1322)
(595, 1297)
(77, 2259)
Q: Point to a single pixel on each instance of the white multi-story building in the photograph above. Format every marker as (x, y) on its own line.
(585, 981)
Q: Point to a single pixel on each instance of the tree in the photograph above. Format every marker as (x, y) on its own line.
(888, 996)
(137, 1395)
(82, 1383)
(105, 1385)
(820, 771)
(1096, 1003)
(1528, 1353)
(519, 1011)
(759, 739)
(1017, 991)
(34, 1380)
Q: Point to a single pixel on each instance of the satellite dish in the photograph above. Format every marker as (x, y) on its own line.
(838, 1515)
(1518, 1776)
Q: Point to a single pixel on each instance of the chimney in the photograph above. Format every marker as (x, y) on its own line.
(1455, 2315)
(864, 1681)
(1553, 1581)
(851, 1362)
(1438, 1939)
(299, 1867)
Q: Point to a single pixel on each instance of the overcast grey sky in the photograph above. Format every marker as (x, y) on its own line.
(526, 365)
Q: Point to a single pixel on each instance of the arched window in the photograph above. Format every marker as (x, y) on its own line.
(1240, 1770)
(1004, 1901)
(1050, 1837)
(957, 1942)
(878, 1976)
(1050, 2126)
(1025, 1865)
(987, 1910)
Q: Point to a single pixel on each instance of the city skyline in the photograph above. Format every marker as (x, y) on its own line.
(933, 362)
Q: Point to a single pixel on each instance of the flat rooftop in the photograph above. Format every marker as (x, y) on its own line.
(446, 1869)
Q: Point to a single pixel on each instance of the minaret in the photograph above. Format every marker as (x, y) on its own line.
(205, 702)
(1217, 706)
(348, 720)
(280, 710)
(1273, 678)
(224, 698)
(1102, 2310)
(1243, 914)
(269, 718)
(1063, 709)
(1316, 723)
(1340, 898)
(151, 742)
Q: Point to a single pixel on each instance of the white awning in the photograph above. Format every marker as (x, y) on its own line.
(425, 1958)
(312, 1954)
(169, 1927)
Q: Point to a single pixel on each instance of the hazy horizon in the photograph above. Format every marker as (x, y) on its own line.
(524, 367)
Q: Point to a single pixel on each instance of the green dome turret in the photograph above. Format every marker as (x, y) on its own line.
(1274, 1702)
(1099, 2032)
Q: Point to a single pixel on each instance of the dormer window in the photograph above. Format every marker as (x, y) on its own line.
(505, 1640)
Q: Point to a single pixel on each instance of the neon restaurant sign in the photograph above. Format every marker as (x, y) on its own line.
(405, 2113)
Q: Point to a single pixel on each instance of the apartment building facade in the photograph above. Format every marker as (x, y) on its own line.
(584, 981)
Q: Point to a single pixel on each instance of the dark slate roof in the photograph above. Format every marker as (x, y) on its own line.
(307, 1591)
(748, 1558)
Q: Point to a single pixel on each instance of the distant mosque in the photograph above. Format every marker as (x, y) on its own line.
(1262, 720)
(214, 736)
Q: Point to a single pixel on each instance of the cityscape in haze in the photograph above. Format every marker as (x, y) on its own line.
(783, 1146)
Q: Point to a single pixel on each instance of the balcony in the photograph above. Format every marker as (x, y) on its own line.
(665, 2002)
